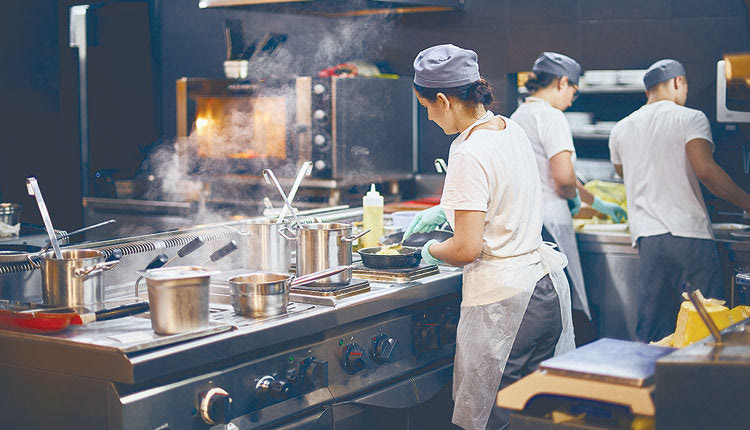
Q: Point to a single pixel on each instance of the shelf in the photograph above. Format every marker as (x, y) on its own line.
(591, 136)
(611, 89)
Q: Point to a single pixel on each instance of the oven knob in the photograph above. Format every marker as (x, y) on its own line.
(429, 336)
(311, 374)
(215, 405)
(319, 115)
(319, 139)
(270, 387)
(382, 347)
(354, 358)
(320, 165)
(318, 89)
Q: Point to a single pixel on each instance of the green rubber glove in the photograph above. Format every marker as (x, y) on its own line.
(574, 204)
(614, 210)
(427, 257)
(426, 221)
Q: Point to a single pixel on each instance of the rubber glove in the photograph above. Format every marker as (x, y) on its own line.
(614, 210)
(574, 204)
(427, 257)
(426, 221)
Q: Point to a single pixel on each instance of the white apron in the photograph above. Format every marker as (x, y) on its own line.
(559, 224)
(486, 332)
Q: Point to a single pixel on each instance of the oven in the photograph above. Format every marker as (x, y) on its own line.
(348, 127)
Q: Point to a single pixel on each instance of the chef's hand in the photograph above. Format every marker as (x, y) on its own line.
(426, 221)
(614, 210)
(574, 204)
(426, 256)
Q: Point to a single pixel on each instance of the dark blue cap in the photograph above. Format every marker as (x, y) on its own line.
(558, 65)
(445, 66)
(661, 71)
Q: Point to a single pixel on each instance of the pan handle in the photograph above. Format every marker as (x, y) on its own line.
(34, 264)
(282, 234)
(302, 280)
(355, 237)
(86, 271)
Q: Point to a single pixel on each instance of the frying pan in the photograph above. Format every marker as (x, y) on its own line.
(416, 239)
(15, 253)
(36, 318)
(407, 257)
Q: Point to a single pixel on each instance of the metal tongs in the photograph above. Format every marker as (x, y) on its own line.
(269, 176)
(33, 188)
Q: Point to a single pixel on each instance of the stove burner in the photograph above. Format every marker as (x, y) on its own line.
(225, 314)
(327, 295)
(399, 276)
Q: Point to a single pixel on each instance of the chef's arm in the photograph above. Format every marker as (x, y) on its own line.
(713, 176)
(586, 196)
(466, 243)
(562, 173)
(618, 170)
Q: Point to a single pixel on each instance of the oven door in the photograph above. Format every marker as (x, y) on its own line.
(240, 128)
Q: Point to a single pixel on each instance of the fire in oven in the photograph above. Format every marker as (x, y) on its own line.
(345, 126)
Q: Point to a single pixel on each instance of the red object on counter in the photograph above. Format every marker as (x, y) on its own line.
(36, 322)
(412, 205)
(343, 70)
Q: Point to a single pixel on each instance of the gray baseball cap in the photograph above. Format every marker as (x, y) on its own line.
(445, 66)
(661, 71)
(558, 65)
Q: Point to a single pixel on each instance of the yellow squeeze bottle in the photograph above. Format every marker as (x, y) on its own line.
(372, 205)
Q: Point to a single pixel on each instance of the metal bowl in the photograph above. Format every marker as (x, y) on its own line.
(260, 294)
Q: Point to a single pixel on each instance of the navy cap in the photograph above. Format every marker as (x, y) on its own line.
(445, 66)
(661, 71)
(558, 65)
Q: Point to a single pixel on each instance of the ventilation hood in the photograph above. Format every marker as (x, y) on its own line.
(343, 7)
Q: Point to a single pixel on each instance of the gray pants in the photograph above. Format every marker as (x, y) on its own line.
(665, 264)
(535, 342)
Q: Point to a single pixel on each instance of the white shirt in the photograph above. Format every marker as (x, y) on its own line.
(664, 195)
(549, 133)
(495, 172)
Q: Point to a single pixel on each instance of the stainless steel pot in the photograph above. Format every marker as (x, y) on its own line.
(178, 298)
(10, 213)
(323, 246)
(75, 279)
(267, 294)
(264, 250)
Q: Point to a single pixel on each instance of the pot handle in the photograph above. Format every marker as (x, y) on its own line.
(355, 237)
(85, 271)
(282, 234)
(34, 264)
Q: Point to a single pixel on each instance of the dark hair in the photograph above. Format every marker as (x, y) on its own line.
(539, 80)
(479, 92)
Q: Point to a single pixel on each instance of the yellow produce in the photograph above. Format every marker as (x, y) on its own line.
(389, 250)
(690, 326)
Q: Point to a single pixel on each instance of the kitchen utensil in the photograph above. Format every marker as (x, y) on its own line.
(221, 252)
(187, 249)
(263, 247)
(80, 230)
(407, 257)
(158, 261)
(75, 279)
(268, 173)
(305, 170)
(321, 246)
(110, 314)
(16, 253)
(440, 165)
(10, 213)
(262, 294)
(33, 188)
(416, 239)
(178, 298)
(38, 321)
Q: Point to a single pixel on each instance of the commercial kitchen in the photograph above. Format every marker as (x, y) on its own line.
(211, 214)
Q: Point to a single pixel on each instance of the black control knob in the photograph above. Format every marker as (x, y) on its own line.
(354, 358)
(448, 327)
(279, 390)
(315, 374)
(382, 347)
(215, 406)
(429, 336)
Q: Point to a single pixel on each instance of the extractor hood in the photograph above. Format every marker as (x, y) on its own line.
(343, 7)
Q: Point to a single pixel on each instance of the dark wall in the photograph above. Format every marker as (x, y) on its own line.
(507, 35)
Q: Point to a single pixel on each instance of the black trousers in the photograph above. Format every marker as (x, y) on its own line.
(537, 338)
(665, 264)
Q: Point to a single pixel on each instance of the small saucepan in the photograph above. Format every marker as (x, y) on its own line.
(263, 294)
(407, 257)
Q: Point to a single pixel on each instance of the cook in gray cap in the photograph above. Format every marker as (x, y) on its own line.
(662, 70)
(445, 66)
(558, 65)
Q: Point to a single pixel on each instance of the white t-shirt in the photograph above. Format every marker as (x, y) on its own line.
(495, 172)
(664, 195)
(549, 133)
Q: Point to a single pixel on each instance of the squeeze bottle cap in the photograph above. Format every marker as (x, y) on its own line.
(373, 197)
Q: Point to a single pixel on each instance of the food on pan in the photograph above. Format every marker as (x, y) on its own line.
(389, 250)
